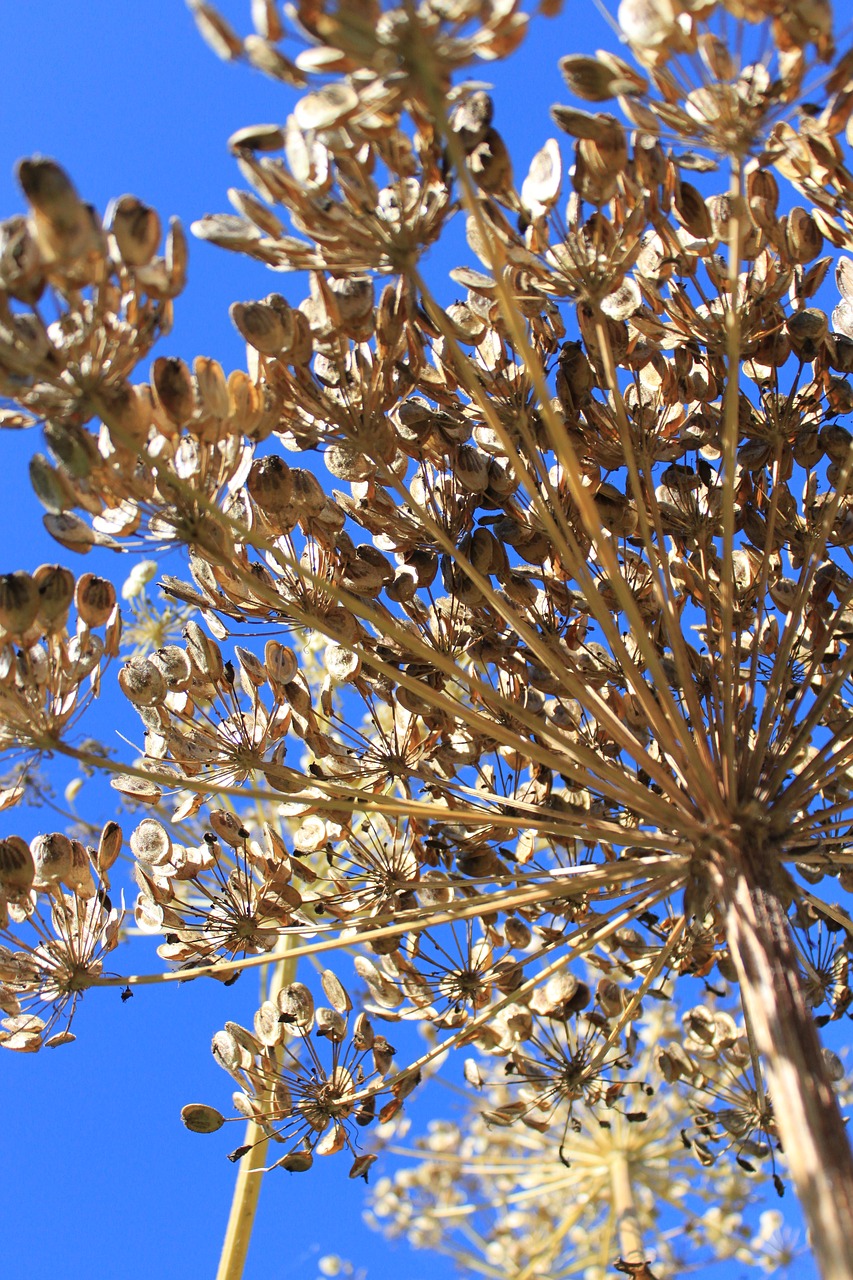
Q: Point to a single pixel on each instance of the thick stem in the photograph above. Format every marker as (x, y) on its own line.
(247, 1186)
(247, 1191)
(805, 1108)
(624, 1209)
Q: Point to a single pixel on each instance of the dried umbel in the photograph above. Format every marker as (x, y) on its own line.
(541, 706)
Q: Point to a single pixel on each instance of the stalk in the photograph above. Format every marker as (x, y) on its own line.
(805, 1108)
(250, 1172)
(625, 1210)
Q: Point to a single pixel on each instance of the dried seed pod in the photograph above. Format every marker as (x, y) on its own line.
(204, 653)
(270, 484)
(19, 601)
(326, 108)
(335, 992)
(331, 1025)
(257, 137)
(142, 683)
(56, 591)
(95, 599)
(281, 663)
(173, 388)
(109, 846)
(17, 865)
(52, 857)
(200, 1118)
(268, 326)
(297, 1007)
(136, 229)
(175, 667)
(228, 828)
(150, 843)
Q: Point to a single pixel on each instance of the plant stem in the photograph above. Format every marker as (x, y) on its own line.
(624, 1209)
(805, 1108)
(247, 1188)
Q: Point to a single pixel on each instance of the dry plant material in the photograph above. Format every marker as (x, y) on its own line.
(563, 720)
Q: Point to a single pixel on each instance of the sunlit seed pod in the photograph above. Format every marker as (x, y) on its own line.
(331, 1025)
(245, 1106)
(204, 653)
(213, 396)
(150, 843)
(80, 879)
(541, 187)
(257, 137)
(296, 1162)
(19, 601)
(17, 865)
(109, 846)
(362, 1033)
(56, 591)
(125, 412)
(296, 1005)
(335, 992)
(215, 31)
(175, 667)
(200, 1118)
(308, 497)
(268, 1025)
(136, 229)
(227, 827)
(173, 388)
(142, 683)
(52, 857)
(95, 599)
(267, 326)
(342, 664)
(139, 789)
(326, 108)
(270, 483)
(311, 834)
(50, 485)
(281, 662)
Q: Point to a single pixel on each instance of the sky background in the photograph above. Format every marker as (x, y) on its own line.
(98, 1176)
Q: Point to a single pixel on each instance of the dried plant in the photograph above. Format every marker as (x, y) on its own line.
(565, 723)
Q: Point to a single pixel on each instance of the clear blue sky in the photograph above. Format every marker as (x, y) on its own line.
(98, 1176)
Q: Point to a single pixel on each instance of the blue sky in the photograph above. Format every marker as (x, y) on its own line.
(99, 1177)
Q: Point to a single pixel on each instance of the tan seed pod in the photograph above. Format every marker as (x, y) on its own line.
(228, 828)
(19, 601)
(109, 846)
(17, 865)
(331, 1025)
(52, 857)
(173, 388)
(200, 1118)
(142, 683)
(138, 789)
(56, 591)
(268, 1025)
(258, 137)
(270, 483)
(297, 1007)
(281, 662)
(150, 843)
(175, 667)
(95, 599)
(216, 31)
(136, 229)
(342, 664)
(267, 326)
(335, 992)
(326, 108)
(204, 653)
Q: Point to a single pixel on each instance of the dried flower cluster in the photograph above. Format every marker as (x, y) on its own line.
(566, 716)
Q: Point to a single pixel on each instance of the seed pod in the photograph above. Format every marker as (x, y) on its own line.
(109, 846)
(331, 1025)
(267, 326)
(270, 484)
(19, 601)
(174, 393)
(150, 843)
(228, 828)
(56, 591)
(200, 1118)
(175, 667)
(17, 865)
(95, 599)
(297, 1007)
(142, 683)
(335, 992)
(136, 229)
(52, 857)
(281, 663)
(204, 653)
